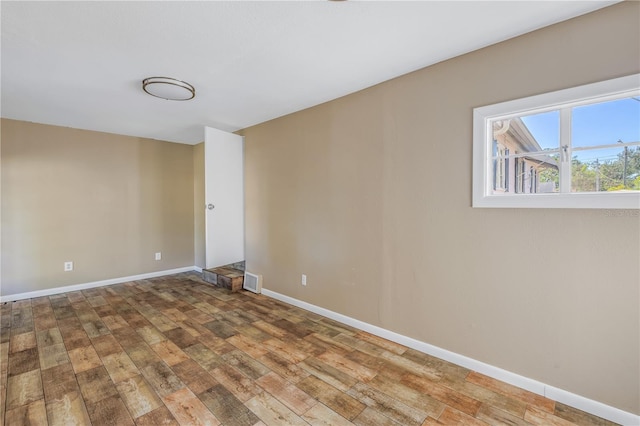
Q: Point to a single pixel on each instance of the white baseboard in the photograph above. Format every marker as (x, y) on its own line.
(197, 269)
(585, 404)
(84, 286)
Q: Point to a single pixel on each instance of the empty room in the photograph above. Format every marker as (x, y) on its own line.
(320, 213)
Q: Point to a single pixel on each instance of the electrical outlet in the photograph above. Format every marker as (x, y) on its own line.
(158, 256)
(68, 266)
(304, 280)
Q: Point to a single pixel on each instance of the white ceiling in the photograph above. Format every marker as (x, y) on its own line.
(80, 64)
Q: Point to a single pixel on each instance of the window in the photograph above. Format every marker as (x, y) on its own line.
(575, 148)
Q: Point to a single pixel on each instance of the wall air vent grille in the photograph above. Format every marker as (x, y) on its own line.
(252, 282)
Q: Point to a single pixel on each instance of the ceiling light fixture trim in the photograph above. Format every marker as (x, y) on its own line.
(168, 88)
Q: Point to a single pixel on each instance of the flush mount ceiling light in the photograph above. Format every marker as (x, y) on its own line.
(168, 88)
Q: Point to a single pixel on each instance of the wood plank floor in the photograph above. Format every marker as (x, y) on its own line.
(176, 351)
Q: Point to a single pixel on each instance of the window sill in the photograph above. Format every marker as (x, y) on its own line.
(617, 200)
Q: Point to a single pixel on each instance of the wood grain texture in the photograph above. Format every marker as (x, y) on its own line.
(321, 415)
(106, 345)
(176, 351)
(194, 376)
(138, 396)
(23, 389)
(110, 411)
(96, 385)
(188, 410)
(21, 342)
(287, 393)
(31, 414)
(169, 352)
(51, 356)
(58, 381)
(273, 412)
(70, 409)
(227, 408)
(343, 404)
(161, 416)
(120, 367)
(240, 386)
(84, 358)
(511, 391)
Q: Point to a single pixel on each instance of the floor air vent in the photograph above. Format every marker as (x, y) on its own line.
(252, 282)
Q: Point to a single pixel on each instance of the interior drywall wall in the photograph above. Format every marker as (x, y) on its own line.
(0, 206)
(198, 206)
(370, 197)
(106, 202)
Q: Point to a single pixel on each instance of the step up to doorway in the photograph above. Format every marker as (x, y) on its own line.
(224, 277)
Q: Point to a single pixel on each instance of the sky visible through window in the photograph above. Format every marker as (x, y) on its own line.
(592, 125)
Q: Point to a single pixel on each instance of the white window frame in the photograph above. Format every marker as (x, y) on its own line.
(483, 194)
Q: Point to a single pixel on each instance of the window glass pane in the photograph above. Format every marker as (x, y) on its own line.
(528, 133)
(606, 123)
(545, 129)
(548, 174)
(611, 169)
(526, 174)
(519, 164)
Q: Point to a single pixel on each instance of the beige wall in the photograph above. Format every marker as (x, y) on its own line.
(198, 206)
(370, 196)
(105, 202)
